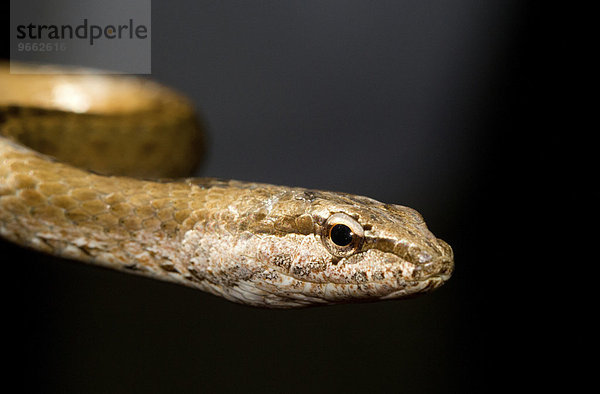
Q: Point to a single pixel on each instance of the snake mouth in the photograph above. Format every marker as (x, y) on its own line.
(398, 279)
(419, 287)
(315, 293)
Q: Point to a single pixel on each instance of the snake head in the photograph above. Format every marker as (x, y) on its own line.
(384, 251)
(326, 248)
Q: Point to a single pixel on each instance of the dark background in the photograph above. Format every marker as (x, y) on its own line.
(448, 107)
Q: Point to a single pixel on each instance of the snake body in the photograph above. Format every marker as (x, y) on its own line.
(72, 145)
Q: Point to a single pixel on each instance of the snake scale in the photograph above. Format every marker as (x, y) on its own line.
(87, 172)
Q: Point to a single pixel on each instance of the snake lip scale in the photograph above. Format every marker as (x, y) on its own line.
(88, 167)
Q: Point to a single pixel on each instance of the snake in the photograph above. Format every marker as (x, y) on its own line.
(98, 168)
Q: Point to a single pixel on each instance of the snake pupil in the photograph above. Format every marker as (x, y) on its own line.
(341, 235)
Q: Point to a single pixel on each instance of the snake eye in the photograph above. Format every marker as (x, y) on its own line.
(342, 235)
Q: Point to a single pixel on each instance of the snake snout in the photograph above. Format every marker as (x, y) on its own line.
(437, 261)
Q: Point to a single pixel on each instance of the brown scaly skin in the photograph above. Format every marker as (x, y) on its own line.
(257, 244)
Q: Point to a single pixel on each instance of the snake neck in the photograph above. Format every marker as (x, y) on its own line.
(122, 223)
(179, 231)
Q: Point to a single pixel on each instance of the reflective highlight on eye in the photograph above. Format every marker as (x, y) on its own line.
(341, 235)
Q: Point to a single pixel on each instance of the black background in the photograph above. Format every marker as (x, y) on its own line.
(454, 108)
